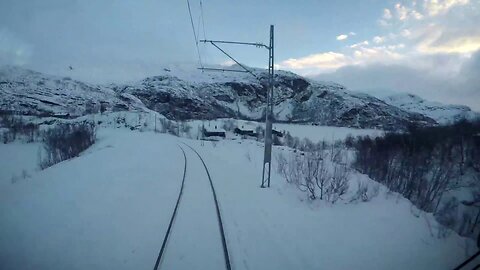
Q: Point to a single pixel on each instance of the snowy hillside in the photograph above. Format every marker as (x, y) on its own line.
(32, 93)
(110, 207)
(181, 94)
(190, 94)
(441, 113)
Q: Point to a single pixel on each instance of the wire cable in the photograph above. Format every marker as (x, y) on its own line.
(194, 33)
(203, 20)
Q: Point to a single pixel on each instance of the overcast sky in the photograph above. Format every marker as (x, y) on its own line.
(427, 47)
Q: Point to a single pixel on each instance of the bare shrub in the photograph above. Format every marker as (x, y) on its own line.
(248, 156)
(292, 169)
(260, 131)
(66, 141)
(447, 214)
(362, 192)
(120, 121)
(288, 139)
(310, 169)
(309, 173)
(322, 178)
(365, 192)
(24, 175)
(7, 137)
(282, 164)
(185, 128)
(338, 185)
(169, 127)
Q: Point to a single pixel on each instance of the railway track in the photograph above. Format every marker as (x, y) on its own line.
(161, 256)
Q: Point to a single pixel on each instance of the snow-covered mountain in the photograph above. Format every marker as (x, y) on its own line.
(191, 94)
(28, 92)
(441, 113)
(186, 94)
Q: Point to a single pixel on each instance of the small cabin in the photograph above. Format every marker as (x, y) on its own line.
(215, 132)
(247, 132)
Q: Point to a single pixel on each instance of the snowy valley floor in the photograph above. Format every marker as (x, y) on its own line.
(110, 208)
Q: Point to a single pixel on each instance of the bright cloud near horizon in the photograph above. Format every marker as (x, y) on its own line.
(427, 47)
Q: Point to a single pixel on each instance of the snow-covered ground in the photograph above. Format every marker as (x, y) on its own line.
(107, 209)
(110, 208)
(18, 161)
(326, 133)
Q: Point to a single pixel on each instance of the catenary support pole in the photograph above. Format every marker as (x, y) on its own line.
(267, 158)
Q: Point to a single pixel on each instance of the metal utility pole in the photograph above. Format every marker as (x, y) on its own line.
(267, 158)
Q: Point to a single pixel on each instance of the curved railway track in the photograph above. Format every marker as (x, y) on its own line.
(160, 257)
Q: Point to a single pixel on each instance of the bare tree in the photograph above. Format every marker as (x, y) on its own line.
(338, 185)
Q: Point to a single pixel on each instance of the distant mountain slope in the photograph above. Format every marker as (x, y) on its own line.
(191, 94)
(29, 92)
(187, 95)
(441, 113)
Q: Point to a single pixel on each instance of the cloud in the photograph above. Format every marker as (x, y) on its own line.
(426, 48)
(320, 61)
(441, 38)
(102, 40)
(387, 14)
(434, 27)
(457, 88)
(345, 36)
(378, 39)
(363, 43)
(330, 61)
(396, 46)
(405, 33)
(437, 7)
(467, 44)
(417, 15)
(431, 8)
(402, 12)
(383, 23)
(368, 55)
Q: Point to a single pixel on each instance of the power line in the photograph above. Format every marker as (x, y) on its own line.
(203, 21)
(194, 33)
(233, 59)
(267, 157)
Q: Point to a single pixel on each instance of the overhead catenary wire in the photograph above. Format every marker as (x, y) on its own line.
(194, 33)
(203, 20)
(269, 93)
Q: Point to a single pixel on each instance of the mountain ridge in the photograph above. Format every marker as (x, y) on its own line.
(442, 113)
(184, 95)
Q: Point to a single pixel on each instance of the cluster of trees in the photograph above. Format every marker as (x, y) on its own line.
(66, 141)
(423, 163)
(16, 127)
(313, 173)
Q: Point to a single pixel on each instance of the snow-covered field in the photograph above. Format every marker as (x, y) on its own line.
(18, 160)
(326, 133)
(110, 208)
